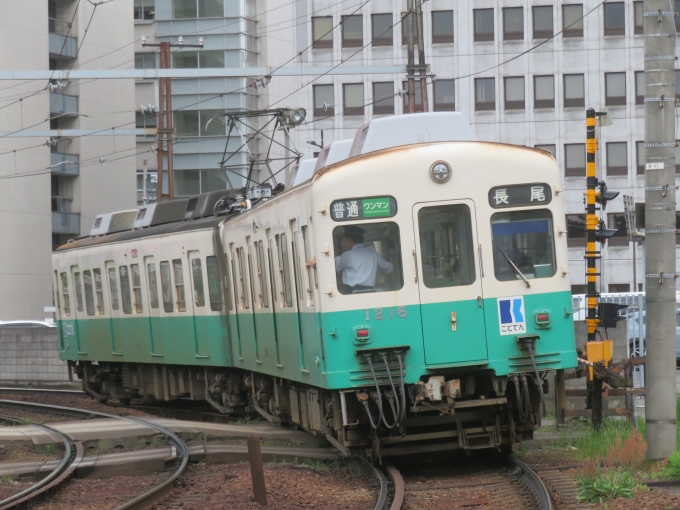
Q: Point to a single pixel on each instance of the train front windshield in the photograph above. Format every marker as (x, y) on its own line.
(523, 243)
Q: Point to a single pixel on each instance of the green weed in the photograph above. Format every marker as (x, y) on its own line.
(48, 449)
(606, 485)
(7, 479)
(672, 469)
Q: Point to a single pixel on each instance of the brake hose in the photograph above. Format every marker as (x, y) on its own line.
(377, 388)
(538, 379)
(403, 391)
(397, 414)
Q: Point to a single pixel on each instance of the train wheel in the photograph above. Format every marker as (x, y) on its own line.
(125, 401)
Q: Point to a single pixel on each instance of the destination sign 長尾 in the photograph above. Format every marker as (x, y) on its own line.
(520, 194)
(363, 208)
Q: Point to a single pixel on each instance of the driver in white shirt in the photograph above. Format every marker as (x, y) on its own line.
(359, 264)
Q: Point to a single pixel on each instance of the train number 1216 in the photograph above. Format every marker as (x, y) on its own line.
(379, 313)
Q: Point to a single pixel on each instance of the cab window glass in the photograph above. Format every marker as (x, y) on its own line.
(446, 246)
(368, 258)
(523, 242)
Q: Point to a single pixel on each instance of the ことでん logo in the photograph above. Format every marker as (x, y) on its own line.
(511, 315)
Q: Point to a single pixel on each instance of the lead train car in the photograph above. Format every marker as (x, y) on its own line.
(435, 355)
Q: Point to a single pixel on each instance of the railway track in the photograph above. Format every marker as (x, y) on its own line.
(74, 453)
(497, 482)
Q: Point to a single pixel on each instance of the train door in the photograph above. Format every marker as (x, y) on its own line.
(449, 283)
(275, 302)
(79, 312)
(303, 317)
(114, 307)
(154, 306)
(244, 315)
(262, 302)
(200, 317)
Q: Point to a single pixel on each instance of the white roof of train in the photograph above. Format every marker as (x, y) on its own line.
(398, 130)
(304, 172)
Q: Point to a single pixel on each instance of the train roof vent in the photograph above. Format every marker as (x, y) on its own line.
(161, 213)
(110, 223)
(399, 130)
(301, 173)
(337, 151)
(205, 203)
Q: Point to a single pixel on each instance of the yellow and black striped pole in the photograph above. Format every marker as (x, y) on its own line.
(592, 253)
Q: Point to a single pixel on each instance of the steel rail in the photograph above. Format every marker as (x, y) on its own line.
(398, 486)
(42, 391)
(377, 473)
(59, 474)
(534, 482)
(151, 496)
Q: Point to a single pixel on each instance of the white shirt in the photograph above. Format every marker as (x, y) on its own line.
(360, 265)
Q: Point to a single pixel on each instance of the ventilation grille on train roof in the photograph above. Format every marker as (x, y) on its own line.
(160, 213)
(113, 222)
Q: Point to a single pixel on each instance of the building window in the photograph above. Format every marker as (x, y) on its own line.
(381, 25)
(575, 160)
(574, 90)
(514, 93)
(576, 229)
(187, 182)
(383, 98)
(677, 85)
(212, 123)
(615, 18)
(617, 158)
(677, 156)
(212, 59)
(322, 32)
(483, 24)
(619, 287)
(579, 289)
(146, 61)
(442, 26)
(404, 30)
(676, 8)
(206, 59)
(444, 96)
(185, 60)
(146, 120)
(353, 99)
(485, 94)
(572, 20)
(188, 9)
(542, 21)
(513, 23)
(640, 87)
(617, 221)
(323, 101)
(417, 94)
(352, 31)
(637, 11)
(615, 89)
(144, 10)
(199, 122)
(640, 157)
(552, 149)
(544, 92)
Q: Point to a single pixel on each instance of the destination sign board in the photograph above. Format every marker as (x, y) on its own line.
(348, 209)
(520, 195)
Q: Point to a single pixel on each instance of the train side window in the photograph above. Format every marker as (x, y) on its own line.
(213, 283)
(251, 280)
(262, 275)
(284, 270)
(243, 288)
(166, 286)
(378, 243)
(523, 242)
(297, 273)
(311, 272)
(78, 286)
(64, 295)
(137, 287)
(89, 292)
(233, 280)
(125, 289)
(228, 284)
(179, 285)
(197, 273)
(98, 290)
(153, 284)
(113, 288)
(447, 253)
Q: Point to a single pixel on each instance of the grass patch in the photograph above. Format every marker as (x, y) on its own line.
(607, 485)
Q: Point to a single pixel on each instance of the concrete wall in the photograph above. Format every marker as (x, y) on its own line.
(31, 356)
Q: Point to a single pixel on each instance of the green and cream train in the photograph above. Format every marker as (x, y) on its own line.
(249, 300)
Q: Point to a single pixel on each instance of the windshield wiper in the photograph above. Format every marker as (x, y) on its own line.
(515, 267)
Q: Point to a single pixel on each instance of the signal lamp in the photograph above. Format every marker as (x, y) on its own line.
(605, 195)
(603, 233)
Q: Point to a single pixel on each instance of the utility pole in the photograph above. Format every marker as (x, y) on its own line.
(165, 126)
(660, 404)
(414, 24)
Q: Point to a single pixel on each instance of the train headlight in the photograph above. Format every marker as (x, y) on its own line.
(440, 172)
